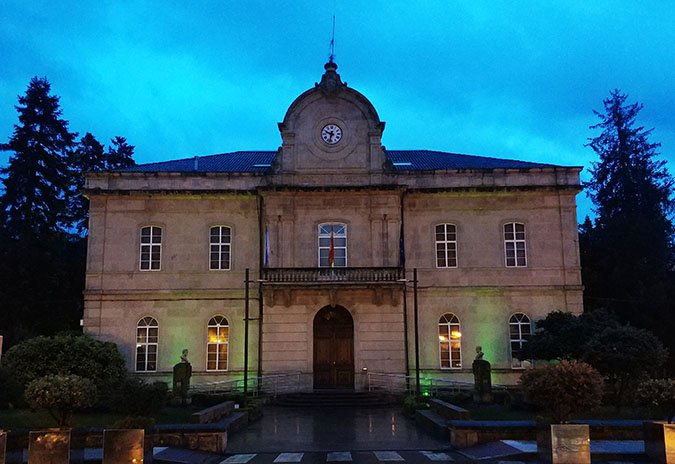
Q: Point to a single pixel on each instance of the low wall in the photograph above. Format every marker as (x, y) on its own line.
(464, 434)
(203, 437)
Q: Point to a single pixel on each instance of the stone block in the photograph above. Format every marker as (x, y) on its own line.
(49, 447)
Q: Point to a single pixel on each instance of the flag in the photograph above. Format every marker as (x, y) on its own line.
(401, 250)
(331, 250)
(266, 263)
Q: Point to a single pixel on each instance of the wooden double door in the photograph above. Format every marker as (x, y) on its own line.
(333, 349)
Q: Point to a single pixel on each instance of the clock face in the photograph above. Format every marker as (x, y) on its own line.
(331, 134)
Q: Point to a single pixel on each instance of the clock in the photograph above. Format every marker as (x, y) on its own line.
(331, 134)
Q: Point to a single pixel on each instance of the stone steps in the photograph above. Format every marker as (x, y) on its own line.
(333, 399)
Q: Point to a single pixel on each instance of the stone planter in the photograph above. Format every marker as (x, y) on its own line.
(564, 443)
(659, 441)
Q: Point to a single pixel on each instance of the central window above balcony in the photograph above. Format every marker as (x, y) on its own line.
(332, 244)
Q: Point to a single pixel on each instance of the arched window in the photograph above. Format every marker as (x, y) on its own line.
(446, 245)
(514, 244)
(332, 245)
(216, 344)
(147, 334)
(520, 329)
(220, 241)
(449, 338)
(151, 248)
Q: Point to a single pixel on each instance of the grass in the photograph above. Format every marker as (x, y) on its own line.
(20, 418)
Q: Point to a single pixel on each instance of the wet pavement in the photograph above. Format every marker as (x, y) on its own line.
(332, 430)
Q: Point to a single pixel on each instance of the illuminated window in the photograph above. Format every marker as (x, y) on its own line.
(446, 245)
(219, 248)
(337, 234)
(520, 329)
(449, 341)
(514, 244)
(147, 334)
(216, 344)
(151, 248)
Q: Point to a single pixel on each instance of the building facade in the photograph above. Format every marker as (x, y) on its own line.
(331, 227)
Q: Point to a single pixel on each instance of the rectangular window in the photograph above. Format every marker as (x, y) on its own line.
(332, 245)
(151, 248)
(514, 244)
(446, 245)
(219, 248)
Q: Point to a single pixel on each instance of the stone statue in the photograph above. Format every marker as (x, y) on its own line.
(482, 378)
(181, 377)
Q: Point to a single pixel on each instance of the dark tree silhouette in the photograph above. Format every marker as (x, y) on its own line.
(89, 156)
(43, 217)
(628, 253)
(36, 181)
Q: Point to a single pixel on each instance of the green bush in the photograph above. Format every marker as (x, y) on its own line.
(563, 389)
(60, 395)
(64, 355)
(134, 397)
(412, 403)
(11, 391)
(659, 393)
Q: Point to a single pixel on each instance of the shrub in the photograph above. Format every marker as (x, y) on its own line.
(60, 395)
(11, 390)
(64, 355)
(134, 397)
(659, 393)
(563, 389)
(625, 355)
(412, 403)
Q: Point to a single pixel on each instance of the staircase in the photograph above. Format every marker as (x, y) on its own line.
(334, 399)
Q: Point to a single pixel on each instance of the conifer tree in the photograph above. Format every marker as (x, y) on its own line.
(628, 253)
(120, 154)
(37, 179)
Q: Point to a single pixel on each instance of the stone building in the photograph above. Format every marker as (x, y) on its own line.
(331, 226)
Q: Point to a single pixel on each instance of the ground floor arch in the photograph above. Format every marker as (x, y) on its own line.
(333, 348)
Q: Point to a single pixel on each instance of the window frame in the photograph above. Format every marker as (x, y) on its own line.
(515, 362)
(220, 246)
(514, 242)
(150, 322)
(445, 242)
(218, 326)
(150, 245)
(451, 322)
(326, 234)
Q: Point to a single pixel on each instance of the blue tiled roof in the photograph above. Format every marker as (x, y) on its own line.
(402, 160)
(427, 160)
(238, 161)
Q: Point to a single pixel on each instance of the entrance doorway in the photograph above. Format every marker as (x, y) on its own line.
(333, 348)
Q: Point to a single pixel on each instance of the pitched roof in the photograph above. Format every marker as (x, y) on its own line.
(238, 161)
(402, 160)
(428, 160)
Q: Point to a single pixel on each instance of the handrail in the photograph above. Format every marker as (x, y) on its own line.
(272, 385)
(399, 383)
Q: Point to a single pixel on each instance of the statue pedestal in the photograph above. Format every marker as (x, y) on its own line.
(181, 380)
(482, 379)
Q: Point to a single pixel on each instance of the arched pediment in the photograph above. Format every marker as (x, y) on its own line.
(331, 129)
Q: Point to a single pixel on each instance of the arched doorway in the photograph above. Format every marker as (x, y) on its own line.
(333, 348)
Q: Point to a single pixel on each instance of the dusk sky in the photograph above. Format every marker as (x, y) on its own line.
(513, 80)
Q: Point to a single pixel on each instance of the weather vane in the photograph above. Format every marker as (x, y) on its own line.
(332, 40)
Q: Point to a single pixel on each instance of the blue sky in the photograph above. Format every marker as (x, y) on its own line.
(506, 79)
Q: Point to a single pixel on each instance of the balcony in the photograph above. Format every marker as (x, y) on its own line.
(333, 275)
